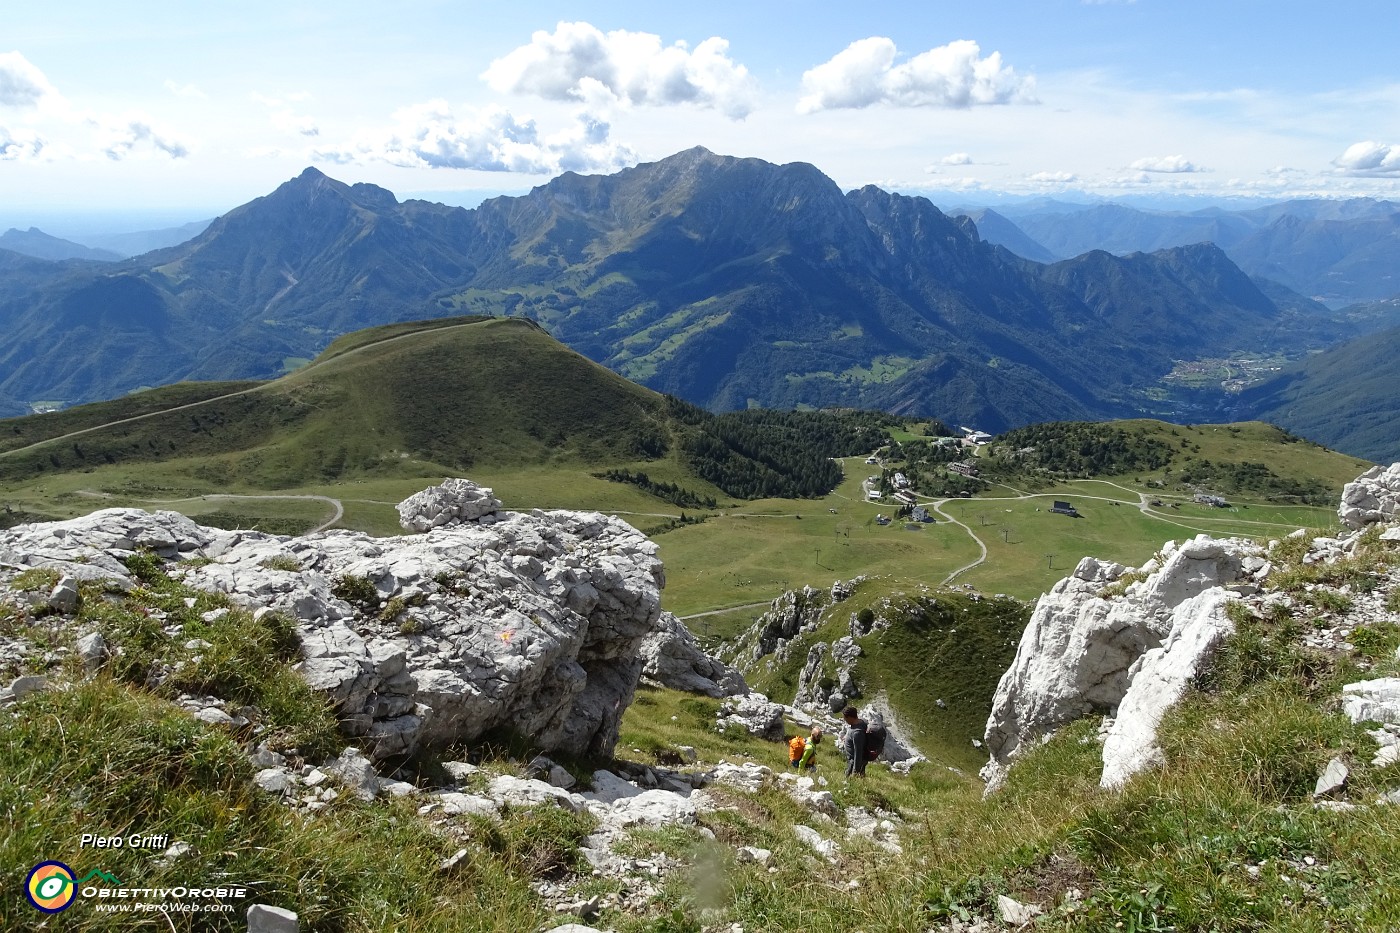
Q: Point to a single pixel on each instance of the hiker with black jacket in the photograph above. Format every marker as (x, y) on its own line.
(853, 742)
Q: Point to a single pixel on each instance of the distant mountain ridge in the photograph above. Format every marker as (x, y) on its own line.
(1341, 252)
(35, 242)
(728, 282)
(1344, 397)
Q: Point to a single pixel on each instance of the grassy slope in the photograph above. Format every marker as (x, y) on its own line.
(1224, 837)
(940, 644)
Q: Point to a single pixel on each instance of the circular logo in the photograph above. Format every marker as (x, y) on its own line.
(50, 887)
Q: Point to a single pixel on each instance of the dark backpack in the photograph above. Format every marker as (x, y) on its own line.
(874, 742)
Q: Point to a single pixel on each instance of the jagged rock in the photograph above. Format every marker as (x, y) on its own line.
(453, 502)
(534, 622)
(1333, 779)
(791, 614)
(1386, 757)
(845, 652)
(265, 757)
(64, 596)
(459, 770)
(275, 780)
(1157, 681)
(753, 854)
(799, 788)
(454, 803)
(1093, 570)
(755, 713)
(1374, 496)
(673, 658)
(452, 861)
(826, 848)
(356, 772)
(1014, 912)
(810, 691)
(545, 769)
(22, 687)
(747, 776)
(263, 918)
(816, 691)
(1077, 650)
(92, 651)
(841, 590)
(647, 808)
(523, 792)
(1373, 700)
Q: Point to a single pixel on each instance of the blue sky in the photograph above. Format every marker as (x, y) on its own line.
(179, 107)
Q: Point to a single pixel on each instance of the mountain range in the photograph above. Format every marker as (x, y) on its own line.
(1339, 252)
(727, 282)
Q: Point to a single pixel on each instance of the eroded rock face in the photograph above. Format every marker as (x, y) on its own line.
(532, 622)
(1159, 679)
(672, 657)
(1077, 653)
(1374, 496)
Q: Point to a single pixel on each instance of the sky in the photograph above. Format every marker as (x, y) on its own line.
(183, 110)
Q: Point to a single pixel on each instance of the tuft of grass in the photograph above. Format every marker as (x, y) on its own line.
(34, 580)
(356, 590)
(282, 562)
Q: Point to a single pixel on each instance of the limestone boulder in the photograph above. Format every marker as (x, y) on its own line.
(755, 714)
(1374, 496)
(531, 621)
(452, 502)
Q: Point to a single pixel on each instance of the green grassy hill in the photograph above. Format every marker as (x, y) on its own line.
(436, 394)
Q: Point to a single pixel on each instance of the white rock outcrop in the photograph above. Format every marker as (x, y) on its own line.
(1374, 496)
(1158, 680)
(1375, 700)
(453, 502)
(531, 621)
(673, 658)
(1080, 651)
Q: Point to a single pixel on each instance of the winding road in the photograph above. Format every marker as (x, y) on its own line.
(337, 509)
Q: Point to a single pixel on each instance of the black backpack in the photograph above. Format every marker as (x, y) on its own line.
(874, 741)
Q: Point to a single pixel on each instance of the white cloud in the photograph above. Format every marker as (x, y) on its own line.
(1169, 165)
(432, 135)
(1369, 158)
(580, 62)
(21, 84)
(956, 158)
(125, 135)
(19, 144)
(952, 75)
(1057, 178)
(185, 90)
(285, 118)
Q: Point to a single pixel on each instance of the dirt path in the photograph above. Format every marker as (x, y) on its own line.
(716, 612)
(337, 509)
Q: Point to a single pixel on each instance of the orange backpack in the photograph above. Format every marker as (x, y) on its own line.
(796, 746)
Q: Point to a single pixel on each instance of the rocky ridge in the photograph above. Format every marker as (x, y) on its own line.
(1127, 644)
